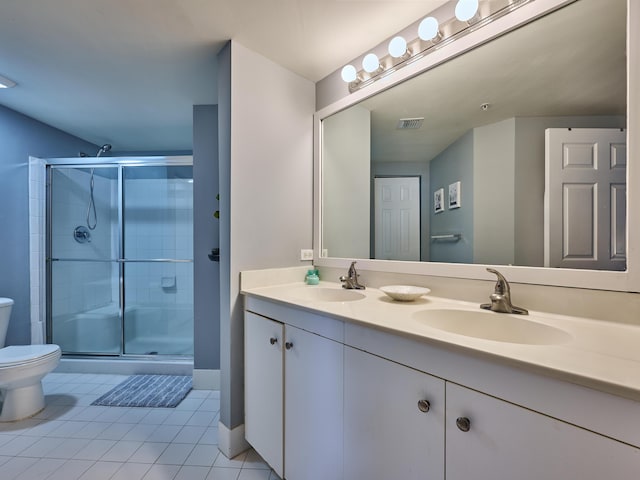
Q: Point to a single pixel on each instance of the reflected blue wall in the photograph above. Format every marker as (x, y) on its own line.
(452, 165)
(21, 137)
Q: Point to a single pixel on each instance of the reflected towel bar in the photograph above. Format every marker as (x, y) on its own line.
(453, 237)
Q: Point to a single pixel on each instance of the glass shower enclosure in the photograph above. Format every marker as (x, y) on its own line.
(120, 256)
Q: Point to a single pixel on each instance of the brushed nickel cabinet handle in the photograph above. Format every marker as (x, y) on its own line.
(463, 424)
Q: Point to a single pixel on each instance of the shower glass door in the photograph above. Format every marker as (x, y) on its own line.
(120, 240)
(158, 271)
(84, 288)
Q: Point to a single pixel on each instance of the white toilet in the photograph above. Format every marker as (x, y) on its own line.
(22, 368)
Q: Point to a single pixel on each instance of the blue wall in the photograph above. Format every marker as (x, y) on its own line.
(452, 165)
(206, 294)
(21, 137)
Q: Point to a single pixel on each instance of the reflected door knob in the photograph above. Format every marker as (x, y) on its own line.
(273, 340)
(424, 406)
(463, 424)
(288, 345)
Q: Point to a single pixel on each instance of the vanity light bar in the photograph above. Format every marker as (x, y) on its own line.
(432, 35)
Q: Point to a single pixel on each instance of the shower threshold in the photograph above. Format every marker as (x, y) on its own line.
(139, 364)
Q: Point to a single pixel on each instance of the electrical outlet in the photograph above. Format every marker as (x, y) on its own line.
(306, 254)
(325, 253)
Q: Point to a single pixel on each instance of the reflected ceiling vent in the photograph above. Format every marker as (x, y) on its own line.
(410, 123)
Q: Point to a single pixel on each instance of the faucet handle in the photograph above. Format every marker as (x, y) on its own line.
(502, 286)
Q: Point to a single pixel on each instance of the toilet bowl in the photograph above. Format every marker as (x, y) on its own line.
(22, 368)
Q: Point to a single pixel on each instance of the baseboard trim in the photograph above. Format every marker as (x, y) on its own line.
(206, 379)
(231, 442)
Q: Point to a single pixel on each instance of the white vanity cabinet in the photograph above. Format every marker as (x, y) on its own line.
(293, 399)
(393, 420)
(264, 388)
(351, 401)
(489, 439)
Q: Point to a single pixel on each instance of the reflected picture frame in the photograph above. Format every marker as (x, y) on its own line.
(454, 195)
(438, 201)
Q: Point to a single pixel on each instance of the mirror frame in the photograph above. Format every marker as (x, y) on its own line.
(628, 280)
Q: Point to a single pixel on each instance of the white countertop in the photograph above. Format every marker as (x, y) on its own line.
(596, 354)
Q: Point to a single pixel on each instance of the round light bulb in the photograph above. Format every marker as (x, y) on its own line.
(397, 47)
(349, 73)
(428, 28)
(466, 9)
(370, 63)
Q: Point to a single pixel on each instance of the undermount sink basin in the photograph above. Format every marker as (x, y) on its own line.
(499, 327)
(323, 294)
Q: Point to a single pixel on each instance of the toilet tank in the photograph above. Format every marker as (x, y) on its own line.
(5, 313)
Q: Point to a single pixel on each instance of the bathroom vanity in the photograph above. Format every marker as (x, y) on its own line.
(350, 385)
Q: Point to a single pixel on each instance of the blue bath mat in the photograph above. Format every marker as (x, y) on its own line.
(147, 391)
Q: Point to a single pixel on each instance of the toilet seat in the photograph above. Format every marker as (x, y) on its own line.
(15, 355)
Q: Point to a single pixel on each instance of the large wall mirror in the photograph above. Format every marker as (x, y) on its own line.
(514, 154)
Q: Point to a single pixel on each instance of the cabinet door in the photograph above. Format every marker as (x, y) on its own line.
(313, 407)
(263, 392)
(505, 441)
(386, 434)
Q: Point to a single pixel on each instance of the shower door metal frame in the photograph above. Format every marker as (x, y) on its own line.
(102, 162)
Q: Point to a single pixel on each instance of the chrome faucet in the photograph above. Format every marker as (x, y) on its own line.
(501, 297)
(351, 280)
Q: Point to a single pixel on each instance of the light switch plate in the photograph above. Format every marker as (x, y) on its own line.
(306, 254)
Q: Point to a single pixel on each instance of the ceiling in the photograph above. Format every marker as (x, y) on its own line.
(127, 72)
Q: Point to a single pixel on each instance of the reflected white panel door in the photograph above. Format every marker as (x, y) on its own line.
(397, 218)
(585, 198)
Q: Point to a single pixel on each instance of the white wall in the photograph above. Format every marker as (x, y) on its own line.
(266, 205)
(346, 163)
(493, 193)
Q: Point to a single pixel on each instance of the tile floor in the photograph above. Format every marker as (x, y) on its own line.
(72, 440)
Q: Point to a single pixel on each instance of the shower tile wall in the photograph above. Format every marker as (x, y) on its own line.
(159, 225)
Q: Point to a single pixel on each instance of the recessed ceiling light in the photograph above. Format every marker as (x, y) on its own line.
(6, 83)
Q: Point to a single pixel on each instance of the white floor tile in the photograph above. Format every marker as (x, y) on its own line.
(42, 469)
(220, 473)
(115, 431)
(203, 455)
(131, 471)
(210, 436)
(16, 466)
(91, 430)
(140, 432)
(161, 472)
(121, 451)
(101, 471)
(94, 449)
(71, 470)
(40, 448)
(202, 419)
(235, 462)
(189, 472)
(254, 461)
(17, 445)
(175, 454)
(67, 448)
(156, 416)
(189, 434)
(148, 452)
(249, 474)
(178, 418)
(165, 433)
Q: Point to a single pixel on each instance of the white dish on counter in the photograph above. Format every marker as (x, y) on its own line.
(404, 293)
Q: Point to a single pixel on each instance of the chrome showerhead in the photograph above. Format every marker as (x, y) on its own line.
(103, 149)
